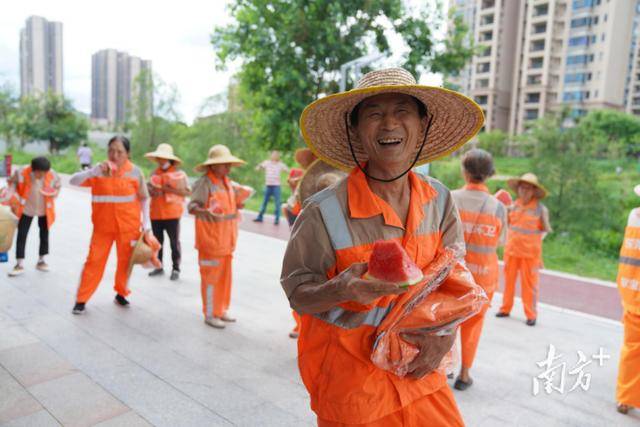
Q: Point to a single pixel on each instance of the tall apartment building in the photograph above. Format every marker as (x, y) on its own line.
(40, 56)
(487, 80)
(114, 86)
(632, 91)
(565, 54)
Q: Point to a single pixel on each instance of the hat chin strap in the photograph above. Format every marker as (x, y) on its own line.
(415, 160)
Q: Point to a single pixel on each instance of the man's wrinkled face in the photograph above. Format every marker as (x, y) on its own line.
(221, 170)
(390, 128)
(526, 191)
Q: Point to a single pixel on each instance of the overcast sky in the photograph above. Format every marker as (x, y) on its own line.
(175, 39)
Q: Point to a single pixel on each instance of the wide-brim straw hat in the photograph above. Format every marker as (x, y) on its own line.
(219, 155)
(309, 182)
(455, 118)
(8, 226)
(164, 151)
(529, 178)
(304, 157)
(141, 253)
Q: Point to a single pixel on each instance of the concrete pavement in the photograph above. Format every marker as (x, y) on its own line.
(156, 363)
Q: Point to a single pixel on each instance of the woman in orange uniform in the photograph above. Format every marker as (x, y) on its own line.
(628, 389)
(528, 225)
(167, 203)
(213, 202)
(120, 211)
(484, 220)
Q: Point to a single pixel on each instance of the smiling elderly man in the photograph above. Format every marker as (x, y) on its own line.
(379, 131)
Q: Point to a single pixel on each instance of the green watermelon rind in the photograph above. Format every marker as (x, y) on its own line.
(400, 284)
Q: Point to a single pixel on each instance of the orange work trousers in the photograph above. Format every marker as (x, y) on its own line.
(470, 331)
(296, 317)
(437, 409)
(93, 270)
(628, 389)
(528, 269)
(215, 284)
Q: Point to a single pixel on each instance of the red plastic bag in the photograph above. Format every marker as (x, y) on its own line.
(446, 297)
(175, 180)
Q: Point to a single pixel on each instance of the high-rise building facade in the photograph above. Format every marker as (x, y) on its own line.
(576, 54)
(115, 86)
(40, 56)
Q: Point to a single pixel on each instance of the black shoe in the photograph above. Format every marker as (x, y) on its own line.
(78, 308)
(257, 219)
(501, 314)
(462, 385)
(156, 272)
(450, 375)
(120, 300)
(175, 275)
(276, 222)
(531, 322)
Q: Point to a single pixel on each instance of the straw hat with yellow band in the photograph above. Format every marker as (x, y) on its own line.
(164, 151)
(453, 119)
(219, 155)
(313, 178)
(529, 178)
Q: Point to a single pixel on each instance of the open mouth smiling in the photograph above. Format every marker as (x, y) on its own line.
(390, 141)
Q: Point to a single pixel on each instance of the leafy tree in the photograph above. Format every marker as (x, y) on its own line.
(494, 142)
(50, 117)
(612, 133)
(291, 52)
(8, 112)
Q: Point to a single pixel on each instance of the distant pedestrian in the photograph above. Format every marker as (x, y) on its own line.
(273, 168)
(84, 155)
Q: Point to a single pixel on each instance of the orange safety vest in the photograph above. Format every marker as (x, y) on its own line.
(335, 347)
(217, 238)
(161, 208)
(115, 204)
(482, 231)
(524, 236)
(629, 265)
(23, 188)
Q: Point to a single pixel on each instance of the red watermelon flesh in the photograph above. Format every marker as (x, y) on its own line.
(48, 191)
(389, 262)
(504, 197)
(156, 181)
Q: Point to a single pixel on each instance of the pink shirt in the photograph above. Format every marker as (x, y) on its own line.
(272, 171)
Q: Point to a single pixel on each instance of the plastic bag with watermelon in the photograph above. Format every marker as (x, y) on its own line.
(446, 296)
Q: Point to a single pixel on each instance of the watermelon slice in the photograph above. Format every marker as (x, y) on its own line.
(389, 262)
(504, 197)
(156, 181)
(113, 168)
(214, 207)
(48, 191)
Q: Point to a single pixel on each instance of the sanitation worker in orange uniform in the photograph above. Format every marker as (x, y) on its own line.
(120, 212)
(628, 389)
(528, 225)
(378, 131)
(213, 202)
(484, 220)
(167, 204)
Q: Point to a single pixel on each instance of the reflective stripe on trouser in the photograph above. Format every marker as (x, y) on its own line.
(437, 409)
(470, 331)
(93, 270)
(528, 269)
(628, 388)
(215, 281)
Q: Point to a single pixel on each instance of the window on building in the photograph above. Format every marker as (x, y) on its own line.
(602, 38)
(482, 99)
(531, 114)
(486, 36)
(581, 22)
(486, 19)
(536, 46)
(486, 4)
(540, 28)
(579, 59)
(532, 98)
(534, 79)
(486, 51)
(536, 63)
(575, 95)
(579, 4)
(541, 9)
(483, 67)
(577, 78)
(579, 41)
(578, 112)
(482, 83)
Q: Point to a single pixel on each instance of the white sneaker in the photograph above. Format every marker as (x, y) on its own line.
(215, 322)
(42, 266)
(17, 270)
